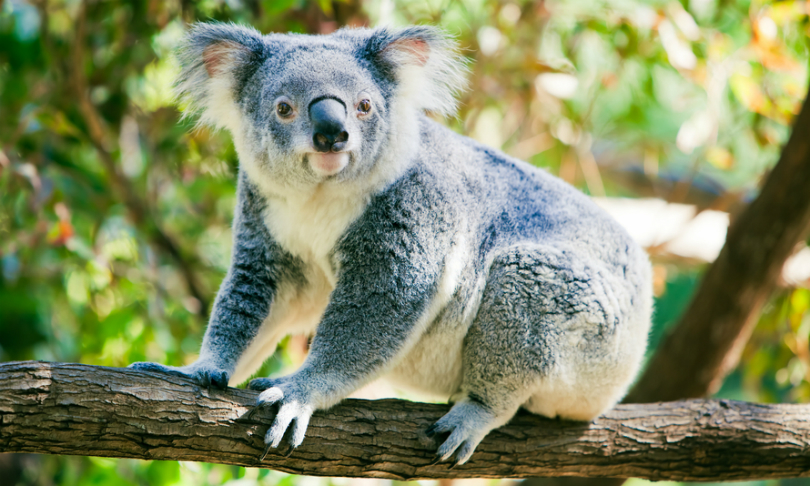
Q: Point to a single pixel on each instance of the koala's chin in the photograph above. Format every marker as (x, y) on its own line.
(327, 164)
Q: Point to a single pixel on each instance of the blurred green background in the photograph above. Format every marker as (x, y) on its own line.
(115, 212)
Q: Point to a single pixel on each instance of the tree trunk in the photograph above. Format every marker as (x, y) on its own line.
(706, 344)
(58, 408)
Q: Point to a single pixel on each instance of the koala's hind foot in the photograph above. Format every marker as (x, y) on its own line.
(294, 405)
(205, 374)
(468, 422)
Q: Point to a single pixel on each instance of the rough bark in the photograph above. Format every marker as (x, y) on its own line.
(706, 344)
(57, 408)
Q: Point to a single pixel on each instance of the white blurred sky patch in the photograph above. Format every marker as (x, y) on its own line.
(489, 40)
(678, 50)
(559, 85)
(680, 230)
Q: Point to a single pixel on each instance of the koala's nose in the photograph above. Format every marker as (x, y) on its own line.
(328, 130)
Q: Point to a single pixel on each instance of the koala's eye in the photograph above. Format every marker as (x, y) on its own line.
(364, 107)
(284, 110)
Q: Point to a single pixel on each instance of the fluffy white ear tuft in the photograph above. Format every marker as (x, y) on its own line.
(425, 62)
(210, 57)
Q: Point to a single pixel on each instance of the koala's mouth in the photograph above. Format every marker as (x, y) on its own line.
(327, 164)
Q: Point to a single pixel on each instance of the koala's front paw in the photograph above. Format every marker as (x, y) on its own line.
(294, 405)
(205, 374)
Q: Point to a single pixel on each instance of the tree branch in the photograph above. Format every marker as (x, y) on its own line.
(74, 409)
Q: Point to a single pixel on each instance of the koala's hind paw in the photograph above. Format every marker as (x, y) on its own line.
(293, 407)
(468, 423)
(207, 376)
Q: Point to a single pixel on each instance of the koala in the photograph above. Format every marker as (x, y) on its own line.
(407, 250)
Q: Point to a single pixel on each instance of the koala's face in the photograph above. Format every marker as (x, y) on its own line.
(310, 109)
(314, 112)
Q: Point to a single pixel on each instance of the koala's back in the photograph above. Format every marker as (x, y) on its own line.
(520, 234)
(521, 201)
(497, 201)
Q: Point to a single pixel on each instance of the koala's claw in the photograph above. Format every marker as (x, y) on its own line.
(432, 430)
(216, 378)
(437, 459)
(463, 449)
(266, 399)
(289, 451)
(205, 376)
(264, 454)
(289, 412)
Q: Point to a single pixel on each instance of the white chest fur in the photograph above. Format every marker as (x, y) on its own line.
(309, 226)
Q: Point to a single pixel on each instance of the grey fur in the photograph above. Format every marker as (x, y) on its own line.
(429, 258)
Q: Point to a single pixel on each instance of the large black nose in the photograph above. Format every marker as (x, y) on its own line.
(328, 130)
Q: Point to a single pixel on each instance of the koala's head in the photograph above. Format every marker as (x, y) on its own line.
(308, 109)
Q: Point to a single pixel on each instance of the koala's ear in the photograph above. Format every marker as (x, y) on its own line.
(214, 58)
(424, 62)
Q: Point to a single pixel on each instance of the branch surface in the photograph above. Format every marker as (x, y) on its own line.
(74, 409)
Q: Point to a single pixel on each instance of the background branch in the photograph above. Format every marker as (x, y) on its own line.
(705, 346)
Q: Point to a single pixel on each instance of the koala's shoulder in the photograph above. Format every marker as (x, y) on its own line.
(416, 198)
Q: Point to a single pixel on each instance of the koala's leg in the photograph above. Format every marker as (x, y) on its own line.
(498, 369)
(543, 319)
(259, 266)
(493, 384)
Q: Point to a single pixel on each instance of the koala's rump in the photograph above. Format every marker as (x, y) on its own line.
(584, 279)
(570, 340)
